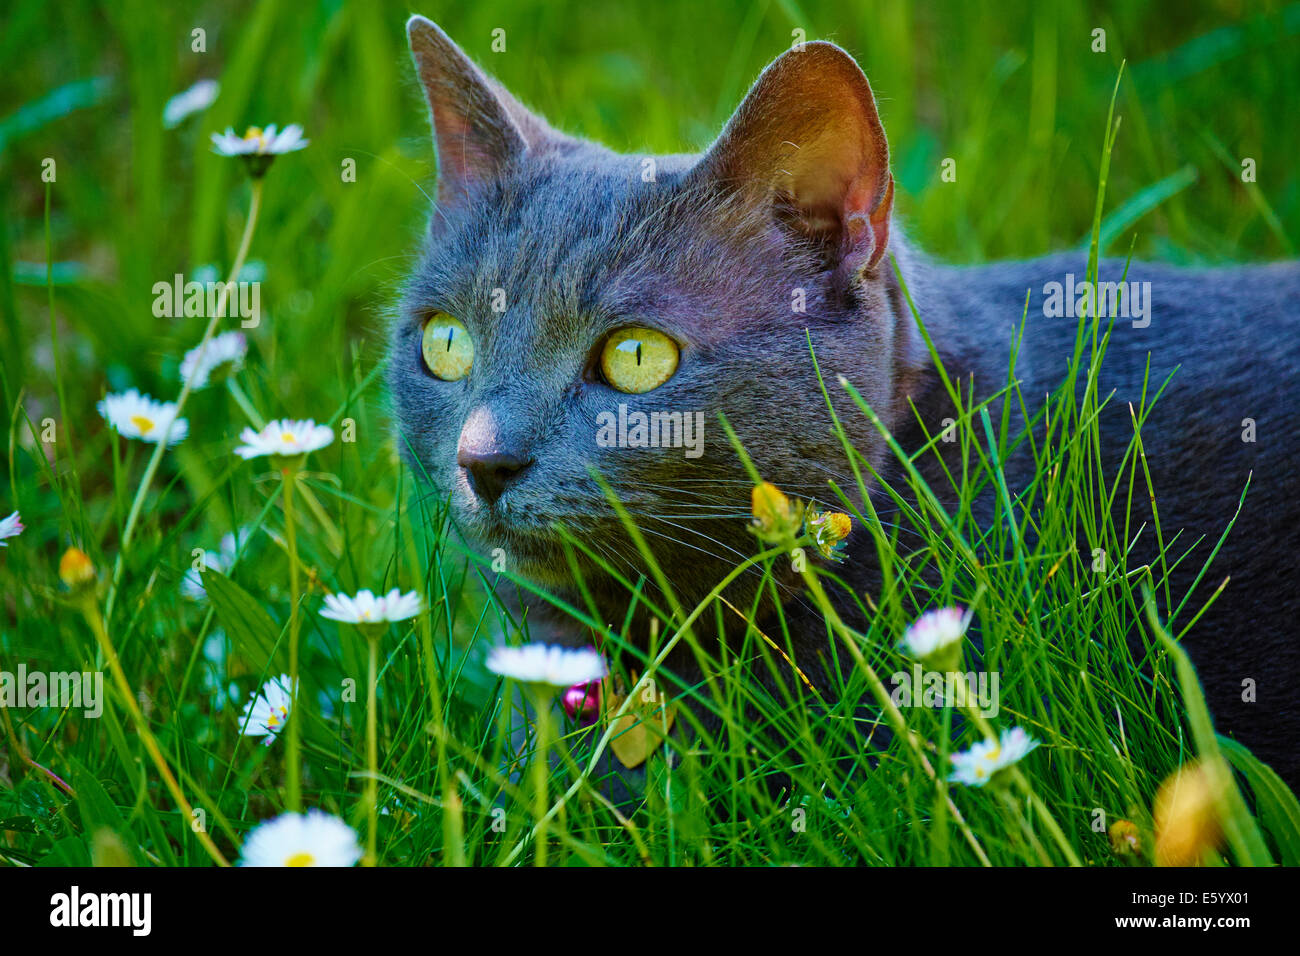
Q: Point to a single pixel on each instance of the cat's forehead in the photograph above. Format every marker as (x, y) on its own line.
(600, 235)
(574, 216)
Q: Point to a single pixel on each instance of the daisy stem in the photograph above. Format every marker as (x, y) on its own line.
(293, 786)
(435, 696)
(96, 621)
(939, 830)
(1014, 809)
(1054, 828)
(241, 399)
(1048, 819)
(255, 205)
(892, 713)
(244, 404)
(541, 776)
(331, 531)
(54, 336)
(372, 754)
(612, 719)
(16, 747)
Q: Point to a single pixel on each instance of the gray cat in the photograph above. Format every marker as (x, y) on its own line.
(566, 294)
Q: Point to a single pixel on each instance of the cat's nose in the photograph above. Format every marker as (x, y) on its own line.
(491, 471)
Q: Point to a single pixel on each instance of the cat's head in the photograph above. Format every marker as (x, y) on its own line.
(565, 291)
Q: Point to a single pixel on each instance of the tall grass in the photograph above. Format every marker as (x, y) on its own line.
(1018, 100)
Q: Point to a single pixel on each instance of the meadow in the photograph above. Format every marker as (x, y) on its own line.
(1134, 149)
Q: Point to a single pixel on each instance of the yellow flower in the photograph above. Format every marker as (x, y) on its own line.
(828, 530)
(1124, 840)
(1186, 814)
(776, 517)
(75, 569)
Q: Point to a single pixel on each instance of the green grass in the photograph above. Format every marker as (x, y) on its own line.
(1018, 100)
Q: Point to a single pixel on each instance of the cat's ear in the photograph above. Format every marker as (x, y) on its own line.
(808, 141)
(478, 127)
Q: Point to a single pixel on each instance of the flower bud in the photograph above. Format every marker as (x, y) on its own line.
(1186, 814)
(828, 530)
(76, 570)
(1124, 838)
(776, 517)
(581, 702)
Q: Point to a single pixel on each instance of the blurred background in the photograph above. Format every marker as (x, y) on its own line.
(1013, 92)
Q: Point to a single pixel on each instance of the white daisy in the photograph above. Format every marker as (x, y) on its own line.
(366, 608)
(259, 141)
(268, 711)
(10, 527)
(311, 839)
(194, 100)
(284, 437)
(977, 766)
(547, 664)
(226, 349)
(139, 416)
(258, 147)
(934, 631)
(221, 561)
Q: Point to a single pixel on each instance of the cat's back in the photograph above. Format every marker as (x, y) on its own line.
(1220, 347)
(1209, 358)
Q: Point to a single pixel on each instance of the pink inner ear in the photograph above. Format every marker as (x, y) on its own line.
(474, 132)
(460, 150)
(858, 203)
(866, 220)
(841, 180)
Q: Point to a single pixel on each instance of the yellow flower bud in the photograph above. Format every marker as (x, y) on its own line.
(1186, 814)
(828, 530)
(75, 569)
(1124, 838)
(776, 517)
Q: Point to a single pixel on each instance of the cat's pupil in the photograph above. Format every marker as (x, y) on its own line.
(451, 334)
(638, 353)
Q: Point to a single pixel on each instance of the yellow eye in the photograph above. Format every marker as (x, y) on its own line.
(448, 349)
(637, 360)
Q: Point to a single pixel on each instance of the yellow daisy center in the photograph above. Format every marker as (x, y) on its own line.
(144, 424)
(255, 133)
(301, 859)
(287, 438)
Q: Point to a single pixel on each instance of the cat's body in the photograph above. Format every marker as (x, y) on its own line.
(1228, 338)
(544, 245)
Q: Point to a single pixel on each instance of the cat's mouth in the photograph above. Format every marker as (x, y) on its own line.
(537, 541)
(534, 553)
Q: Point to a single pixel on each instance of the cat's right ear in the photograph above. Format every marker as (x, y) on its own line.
(807, 141)
(478, 128)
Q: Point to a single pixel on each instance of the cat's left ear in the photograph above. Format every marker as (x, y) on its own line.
(479, 127)
(808, 140)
